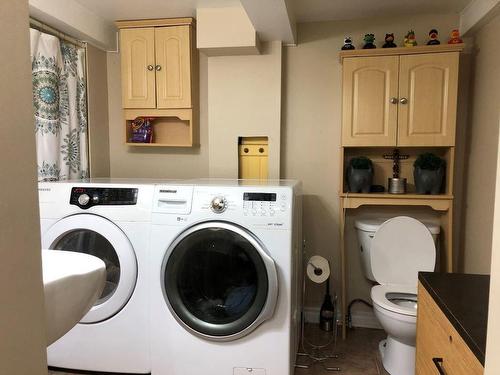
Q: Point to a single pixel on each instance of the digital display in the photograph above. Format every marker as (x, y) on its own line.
(261, 197)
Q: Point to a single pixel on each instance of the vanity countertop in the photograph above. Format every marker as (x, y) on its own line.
(463, 298)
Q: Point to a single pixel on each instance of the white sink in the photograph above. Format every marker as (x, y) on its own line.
(72, 283)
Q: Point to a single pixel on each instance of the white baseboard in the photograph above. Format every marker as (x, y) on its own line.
(365, 319)
(362, 319)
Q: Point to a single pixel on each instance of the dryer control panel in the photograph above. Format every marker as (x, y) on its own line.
(86, 197)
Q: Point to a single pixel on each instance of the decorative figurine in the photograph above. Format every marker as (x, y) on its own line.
(369, 39)
(396, 184)
(410, 40)
(359, 175)
(455, 37)
(433, 38)
(389, 41)
(347, 44)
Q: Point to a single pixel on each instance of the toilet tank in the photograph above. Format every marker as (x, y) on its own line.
(366, 229)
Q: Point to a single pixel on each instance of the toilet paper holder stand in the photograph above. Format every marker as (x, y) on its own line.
(318, 353)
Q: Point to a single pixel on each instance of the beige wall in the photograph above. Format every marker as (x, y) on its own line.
(126, 161)
(492, 365)
(22, 319)
(98, 112)
(481, 152)
(244, 99)
(311, 129)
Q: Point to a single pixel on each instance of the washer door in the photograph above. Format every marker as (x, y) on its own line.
(95, 235)
(218, 281)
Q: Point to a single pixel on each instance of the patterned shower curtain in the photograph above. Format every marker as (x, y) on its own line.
(60, 108)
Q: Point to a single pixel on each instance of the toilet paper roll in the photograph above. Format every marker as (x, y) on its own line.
(318, 269)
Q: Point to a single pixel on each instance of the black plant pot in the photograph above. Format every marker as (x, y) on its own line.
(428, 181)
(359, 180)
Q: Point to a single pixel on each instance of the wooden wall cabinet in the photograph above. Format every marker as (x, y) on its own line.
(156, 67)
(159, 78)
(400, 99)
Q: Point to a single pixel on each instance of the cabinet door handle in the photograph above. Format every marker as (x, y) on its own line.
(150, 67)
(438, 362)
(158, 68)
(403, 100)
(393, 100)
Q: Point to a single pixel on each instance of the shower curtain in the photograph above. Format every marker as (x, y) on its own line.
(60, 108)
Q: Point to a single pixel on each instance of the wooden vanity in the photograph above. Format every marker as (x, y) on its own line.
(451, 323)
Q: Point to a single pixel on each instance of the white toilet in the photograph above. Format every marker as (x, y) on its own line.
(392, 253)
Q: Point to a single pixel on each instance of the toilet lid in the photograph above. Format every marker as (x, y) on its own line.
(402, 247)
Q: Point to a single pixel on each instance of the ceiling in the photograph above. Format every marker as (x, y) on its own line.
(113, 10)
(304, 10)
(330, 10)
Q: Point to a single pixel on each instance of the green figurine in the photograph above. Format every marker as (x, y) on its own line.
(410, 39)
(369, 39)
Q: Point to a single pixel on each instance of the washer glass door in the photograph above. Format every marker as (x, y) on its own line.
(97, 236)
(218, 281)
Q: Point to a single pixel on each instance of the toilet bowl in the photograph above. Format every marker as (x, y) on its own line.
(400, 248)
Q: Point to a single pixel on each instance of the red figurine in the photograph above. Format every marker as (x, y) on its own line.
(455, 37)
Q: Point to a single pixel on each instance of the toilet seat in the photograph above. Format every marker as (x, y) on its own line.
(379, 295)
(401, 248)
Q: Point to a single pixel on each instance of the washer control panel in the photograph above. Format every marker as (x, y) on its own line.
(263, 204)
(86, 197)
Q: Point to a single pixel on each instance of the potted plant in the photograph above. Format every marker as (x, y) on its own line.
(428, 173)
(359, 175)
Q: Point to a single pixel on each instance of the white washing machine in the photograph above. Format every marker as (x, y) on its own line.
(225, 278)
(111, 220)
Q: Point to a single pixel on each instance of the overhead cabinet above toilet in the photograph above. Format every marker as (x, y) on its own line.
(400, 99)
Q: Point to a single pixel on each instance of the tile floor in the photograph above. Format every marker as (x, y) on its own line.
(358, 355)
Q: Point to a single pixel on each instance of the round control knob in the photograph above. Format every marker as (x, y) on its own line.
(218, 205)
(83, 199)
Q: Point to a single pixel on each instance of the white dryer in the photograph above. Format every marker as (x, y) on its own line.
(225, 266)
(111, 220)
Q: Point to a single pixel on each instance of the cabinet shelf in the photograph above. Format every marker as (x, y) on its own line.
(171, 127)
(441, 202)
(137, 144)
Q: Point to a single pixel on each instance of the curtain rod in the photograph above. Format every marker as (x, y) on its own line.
(50, 30)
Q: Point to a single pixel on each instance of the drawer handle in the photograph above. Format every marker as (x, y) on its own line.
(438, 362)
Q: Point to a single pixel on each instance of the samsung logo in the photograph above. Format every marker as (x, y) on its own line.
(44, 189)
(168, 191)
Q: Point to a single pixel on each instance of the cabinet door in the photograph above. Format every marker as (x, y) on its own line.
(253, 161)
(428, 82)
(138, 76)
(369, 118)
(173, 67)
